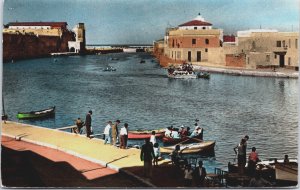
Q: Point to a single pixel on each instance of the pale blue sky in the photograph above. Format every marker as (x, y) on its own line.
(142, 21)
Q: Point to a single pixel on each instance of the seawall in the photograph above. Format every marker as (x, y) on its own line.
(245, 72)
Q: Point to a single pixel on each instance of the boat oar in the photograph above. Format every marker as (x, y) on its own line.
(199, 140)
(182, 142)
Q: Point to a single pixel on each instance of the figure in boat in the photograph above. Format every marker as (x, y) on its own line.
(185, 71)
(175, 135)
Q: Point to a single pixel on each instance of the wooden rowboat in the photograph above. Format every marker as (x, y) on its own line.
(204, 146)
(287, 171)
(143, 134)
(37, 114)
(171, 141)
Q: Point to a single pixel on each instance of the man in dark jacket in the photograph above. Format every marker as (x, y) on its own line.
(147, 154)
(199, 174)
(88, 123)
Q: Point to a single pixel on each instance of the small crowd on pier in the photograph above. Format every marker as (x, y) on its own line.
(192, 176)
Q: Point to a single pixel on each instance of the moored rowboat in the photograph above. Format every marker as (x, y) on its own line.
(186, 139)
(286, 171)
(204, 146)
(143, 134)
(37, 114)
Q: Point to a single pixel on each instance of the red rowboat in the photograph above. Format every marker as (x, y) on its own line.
(144, 134)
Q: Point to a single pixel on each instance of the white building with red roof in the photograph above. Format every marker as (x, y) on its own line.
(195, 41)
(197, 23)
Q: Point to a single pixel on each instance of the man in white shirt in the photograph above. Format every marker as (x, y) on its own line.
(153, 138)
(123, 134)
(168, 132)
(107, 132)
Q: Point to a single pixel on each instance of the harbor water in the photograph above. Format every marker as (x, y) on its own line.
(142, 95)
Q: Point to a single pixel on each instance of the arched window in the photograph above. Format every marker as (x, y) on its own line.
(206, 41)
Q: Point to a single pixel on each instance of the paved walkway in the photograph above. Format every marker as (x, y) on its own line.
(127, 161)
(29, 165)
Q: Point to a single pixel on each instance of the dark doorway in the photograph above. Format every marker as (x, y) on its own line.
(198, 56)
(281, 61)
(72, 49)
(189, 56)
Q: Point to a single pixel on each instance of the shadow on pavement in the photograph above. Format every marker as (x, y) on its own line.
(28, 169)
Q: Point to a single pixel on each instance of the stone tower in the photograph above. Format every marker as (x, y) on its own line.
(78, 45)
(80, 33)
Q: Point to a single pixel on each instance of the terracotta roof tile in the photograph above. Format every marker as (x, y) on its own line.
(196, 23)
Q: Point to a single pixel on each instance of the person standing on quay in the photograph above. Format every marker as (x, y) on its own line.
(107, 133)
(147, 154)
(241, 155)
(153, 138)
(199, 174)
(126, 136)
(88, 123)
(115, 132)
(252, 161)
(123, 134)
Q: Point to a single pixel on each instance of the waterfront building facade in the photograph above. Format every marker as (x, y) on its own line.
(36, 28)
(199, 43)
(195, 41)
(268, 48)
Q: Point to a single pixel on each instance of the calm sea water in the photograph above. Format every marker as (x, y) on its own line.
(228, 107)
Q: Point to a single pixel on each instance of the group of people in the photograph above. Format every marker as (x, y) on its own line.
(112, 135)
(176, 133)
(197, 175)
(188, 67)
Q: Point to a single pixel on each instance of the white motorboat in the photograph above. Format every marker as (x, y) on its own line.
(182, 75)
(129, 50)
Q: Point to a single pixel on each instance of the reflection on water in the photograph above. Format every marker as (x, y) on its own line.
(140, 94)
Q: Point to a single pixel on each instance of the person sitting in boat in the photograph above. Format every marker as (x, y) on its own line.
(171, 70)
(199, 128)
(175, 134)
(186, 132)
(196, 132)
(286, 159)
(180, 130)
(176, 155)
(168, 132)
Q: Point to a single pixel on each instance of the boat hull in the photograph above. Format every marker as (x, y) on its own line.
(184, 76)
(37, 114)
(286, 172)
(171, 141)
(145, 134)
(205, 146)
